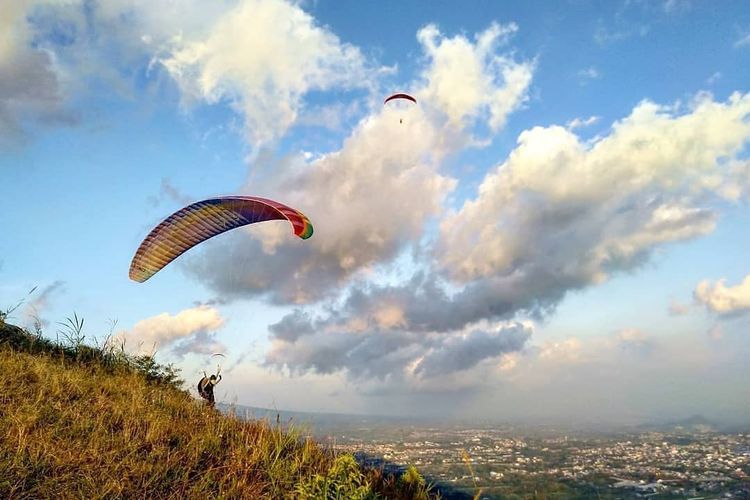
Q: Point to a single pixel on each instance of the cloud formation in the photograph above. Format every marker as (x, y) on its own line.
(558, 215)
(202, 342)
(579, 212)
(262, 57)
(634, 339)
(722, 299)
(613, 378)
(362, 199)
(581, 122)
(169, 193)
(588, 74)
(461, 352)
(742, 41)
(187, 331)
(392, 355)
(617, 375)
(466, 79)
(716, 332)
(30, 88)
(678, 309)
(36, 308)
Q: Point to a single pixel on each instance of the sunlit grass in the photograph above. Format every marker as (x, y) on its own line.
(93, 422)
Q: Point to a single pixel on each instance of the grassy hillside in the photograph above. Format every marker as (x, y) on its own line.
(82, 422)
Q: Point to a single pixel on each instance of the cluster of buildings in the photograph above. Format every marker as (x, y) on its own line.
(643, 464)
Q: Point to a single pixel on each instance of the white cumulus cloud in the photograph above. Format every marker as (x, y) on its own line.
(165, 330)
(374, 196)
(365, 201)
(559, 214)
(580, 211)
(262, 57)
(467, 78)
(722, 299)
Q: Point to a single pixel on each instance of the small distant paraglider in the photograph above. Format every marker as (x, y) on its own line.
(218, 357)
(399, 96)
(205, 219)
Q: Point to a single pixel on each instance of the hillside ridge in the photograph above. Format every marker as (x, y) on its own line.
(80, 421)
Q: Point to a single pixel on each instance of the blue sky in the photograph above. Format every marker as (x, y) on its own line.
(547, 227)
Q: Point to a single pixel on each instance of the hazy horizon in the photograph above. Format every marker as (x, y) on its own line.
(549, 424)
(557, 230)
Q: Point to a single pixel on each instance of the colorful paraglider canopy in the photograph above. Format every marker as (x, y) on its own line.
(400, 96)
(203, 220)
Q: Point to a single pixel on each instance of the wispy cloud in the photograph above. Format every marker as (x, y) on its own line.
(634, 339)
(588, 74)
(716, 332)
(202, 342)
(715, 77)
(677, 308)
(168, 192)
(37, 307)
(604, 35)
(582, 122)
(677, 6)
(742, 41)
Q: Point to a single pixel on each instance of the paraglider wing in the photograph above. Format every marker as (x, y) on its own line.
(203, 220)
(221, 358)
(400, 96)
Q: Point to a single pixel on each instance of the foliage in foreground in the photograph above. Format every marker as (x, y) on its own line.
(93, 422)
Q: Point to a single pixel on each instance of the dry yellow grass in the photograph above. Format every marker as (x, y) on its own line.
(72, 429)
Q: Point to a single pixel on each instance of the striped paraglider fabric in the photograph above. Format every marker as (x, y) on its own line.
(205, 219)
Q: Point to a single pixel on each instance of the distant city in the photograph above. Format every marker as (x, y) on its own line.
(689, 459)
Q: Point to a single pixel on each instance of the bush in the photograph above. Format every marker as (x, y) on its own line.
(343, 481)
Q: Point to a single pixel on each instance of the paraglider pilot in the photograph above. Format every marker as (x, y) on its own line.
(206, 387)
(400, 95)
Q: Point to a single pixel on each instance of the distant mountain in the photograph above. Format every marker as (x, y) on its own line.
(693, 423)
(321, 423)
(695, 420)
